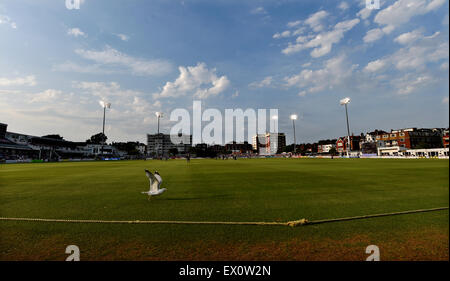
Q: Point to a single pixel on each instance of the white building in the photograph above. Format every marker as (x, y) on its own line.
(99, 150)
(397, 151)
(325, 148)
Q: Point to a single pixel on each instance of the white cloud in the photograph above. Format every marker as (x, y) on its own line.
(418, 51)
(400, 13)
(46, 96)
(74, 67)
(315, 20)
(259, 11)
(322, 43)
(54, 110)
(364, 13)
(266, 82)
(343, 6)
(334, 73)
(111, 57)
(417, 56)
(299, 31)
(444, 66)
(283, 34)
(373, 35)
(294, 23)
(411, 83)
(75, 32)
(445, 100)
(19, 81)
(375, 65)
(129, 102)
(123, 37)
(7, 20)
(409, 37)
(197, 80)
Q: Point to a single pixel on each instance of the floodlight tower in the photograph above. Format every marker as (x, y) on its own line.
(293, 118)
(104, 105)
(159, 115)
(344, 102)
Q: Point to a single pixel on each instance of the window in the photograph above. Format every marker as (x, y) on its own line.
(402, 134)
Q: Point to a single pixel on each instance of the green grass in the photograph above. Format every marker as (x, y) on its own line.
(217, 190)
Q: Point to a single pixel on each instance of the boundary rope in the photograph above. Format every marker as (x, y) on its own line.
(289, 223)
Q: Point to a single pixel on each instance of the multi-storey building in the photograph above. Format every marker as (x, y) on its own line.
(342, 144)
(269, 143)
(324, 146)
(159, 144)
(411, 138)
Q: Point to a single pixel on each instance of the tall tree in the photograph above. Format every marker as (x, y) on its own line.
(53, 136)
(97, 139)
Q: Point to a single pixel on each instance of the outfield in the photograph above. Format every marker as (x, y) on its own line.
(227, 190)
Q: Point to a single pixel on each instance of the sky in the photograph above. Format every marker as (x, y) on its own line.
(300, 57)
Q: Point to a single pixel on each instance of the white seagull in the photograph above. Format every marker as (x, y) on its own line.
(155, 183)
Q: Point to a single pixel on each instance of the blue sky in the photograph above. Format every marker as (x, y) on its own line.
(298, 56)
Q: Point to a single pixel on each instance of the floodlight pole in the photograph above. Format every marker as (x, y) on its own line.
(295, 140)
(104, 105)
(103, 130)
(348, 133)
(158, 122)
(104, 115)
(158, 115)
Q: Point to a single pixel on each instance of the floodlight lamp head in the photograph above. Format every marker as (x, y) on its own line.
(104, 104)
(345, 101)
(159, 114)
(294, 117)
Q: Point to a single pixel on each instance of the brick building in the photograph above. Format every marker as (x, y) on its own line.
(342, 144)
(411, 138)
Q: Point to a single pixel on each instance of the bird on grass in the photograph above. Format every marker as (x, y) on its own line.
(155, 183)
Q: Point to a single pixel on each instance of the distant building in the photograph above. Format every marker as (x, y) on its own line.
(342, 144)
(269, 143)
(100, 150)
(216, 148)
(159, 144)
(445, 138)
(142, 148)
(201, 147)
(3, 128)
(324, 146)
(48, 148)
(368, 143)
(396, 151)
(10, 150)
(237, 148)
(411, 138)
